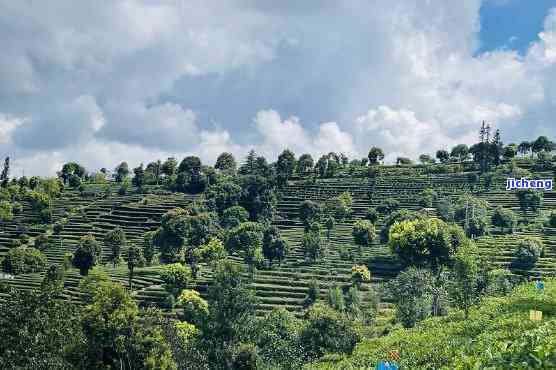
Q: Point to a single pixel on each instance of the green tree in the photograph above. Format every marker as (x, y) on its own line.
(195, 308)
(148, 246)
(87, 254)
(329, 223)
(226, 163)
(36, 329)
(139, 178)
(6, 211)
(176, 278)
(274, 246)
(504, 218)
(388, 206)
(285, 166)
(223, 196)
(23, 260)
(372, 215)
(411, 291)
(305, 164)
(169, 167)
(335, 298)
(134, 259)
(246, 239)
(530, 199)
(234, 216)
(313, 292)
(170, 237)
(528, 251)
(121, 172)
(327, 331)
(363, 233)
(312, 245)
(115, 239)
(465, 274)
(443, 156)
(375, 156)
(460, 152)
(309, 212)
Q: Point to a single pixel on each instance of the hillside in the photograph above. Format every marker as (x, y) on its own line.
(497, 335)
(286, 285)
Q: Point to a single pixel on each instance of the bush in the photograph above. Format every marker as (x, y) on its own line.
(428, 197)
(360, 274)
(6, 211)
(389, 206)
(46, 215)
(528, 251)
(363, 233)
(552, 219)
(41, 242)
(175, 277)
(22, 260)
(327, 331)
(195, 308)
(412, 294)
(17, 208)
(372, 215)
(504, 218)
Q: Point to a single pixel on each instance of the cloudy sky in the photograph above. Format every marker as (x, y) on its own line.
(106, 81)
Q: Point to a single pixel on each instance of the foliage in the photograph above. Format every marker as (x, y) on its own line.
(211, 251)
(222, 196)
(36, 329)
(327, 331)
(504, 218)
(372, 215)
(412, 294)
(233, 216)
(497, 335)
(23, 260)
(226, 162)
(176, 277)
(115, 239)
(195, 308)
(312, 293)
(87, 254)
(312, 245)
(428, 198)
(274, 246)
(134, 259)
(6, 211)
(246, 239)
(363, 233)
(465, 278)
(309, 212)
(388, 206)
(375, 155)
(528, 251)
(340, 206)
(360, 274)
(530, 199)
(335, 298)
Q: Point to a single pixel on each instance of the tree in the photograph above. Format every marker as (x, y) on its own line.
(496, 148)
(504, 218)
(115, 335)
(371, 215)
(389, 206)
(190, 165)
(23, 260)
(360, 274)
(226, 163)
(53, 280)
(6, 211)
(460, 152)
(411, 291)
(195, 308)
(305, 164)
(428, 197)
(312, 294)
(5, 170)
(542, 144)
(528, 251)
(246, 239)
(115, 239)
(87, 254)
(425, 159)
(329, 223)
(335, 298)
(152, 172)
(524, 147)
(234, 216)
(134, 259)
(363, 233)
(309, 212)
(465, 273)
(327, 331)
(404, 161)
(36, 329)
(222, 196)
(426, 242)
(139, 178)
(169, 167)
(509, 152)
(375, 155)
(312, 245)
(231, 312)
(530, 199)
(69, 169)
(285, 166)
(277, 337)
(171, 235)
(148, 246)
(212, 251)
(274, 246)
(121, 172)
(340, 206)
(442, 156)
(176, 277)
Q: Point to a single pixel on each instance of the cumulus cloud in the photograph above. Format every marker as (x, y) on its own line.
(141, 80)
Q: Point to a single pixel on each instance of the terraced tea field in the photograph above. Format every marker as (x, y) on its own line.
(286, 284)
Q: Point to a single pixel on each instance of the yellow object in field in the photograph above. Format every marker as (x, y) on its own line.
(535, 315)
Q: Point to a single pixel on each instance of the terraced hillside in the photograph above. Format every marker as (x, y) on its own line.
(284, 285)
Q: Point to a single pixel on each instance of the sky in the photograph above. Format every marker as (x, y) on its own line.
(103, 82)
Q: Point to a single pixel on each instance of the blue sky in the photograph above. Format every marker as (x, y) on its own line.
(512, 24)
(139, 80)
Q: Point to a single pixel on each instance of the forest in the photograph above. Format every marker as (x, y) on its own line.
(318, 263)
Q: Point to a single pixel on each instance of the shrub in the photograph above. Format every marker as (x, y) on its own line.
(22, 260)
(504, 218)
(552, 219)
(528, 251)
(327, 331)
(175, 277)
(41, 242)
(195, 308)
(363, 233)
(360, 274)
(428, 197)
(412, 294)
(6, 211)
(17, 208)
(389, 206)
(372, 215)
(46, 215)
